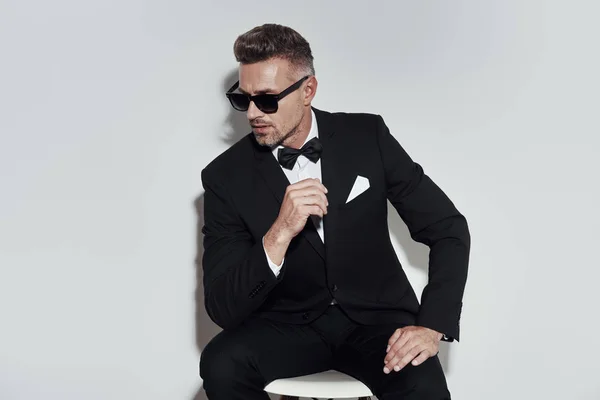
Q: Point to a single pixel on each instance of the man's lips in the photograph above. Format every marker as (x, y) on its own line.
(260, 129)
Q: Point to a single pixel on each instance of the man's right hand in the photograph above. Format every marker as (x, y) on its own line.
(302, 199)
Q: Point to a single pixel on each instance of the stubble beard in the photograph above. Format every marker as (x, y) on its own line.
(276, 138)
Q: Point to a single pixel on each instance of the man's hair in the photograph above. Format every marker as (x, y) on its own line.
(274, 41)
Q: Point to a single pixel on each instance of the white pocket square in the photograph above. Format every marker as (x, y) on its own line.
(360, 185)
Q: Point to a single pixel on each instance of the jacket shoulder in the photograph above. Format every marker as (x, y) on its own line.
(231, 160)
(352, 120)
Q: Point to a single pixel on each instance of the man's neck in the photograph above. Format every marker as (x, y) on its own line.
(302, 131)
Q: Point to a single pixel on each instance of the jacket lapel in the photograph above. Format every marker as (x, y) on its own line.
(336, 167)
(277, 182)
(336, 172)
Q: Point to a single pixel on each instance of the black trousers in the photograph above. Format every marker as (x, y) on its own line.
(239, 363)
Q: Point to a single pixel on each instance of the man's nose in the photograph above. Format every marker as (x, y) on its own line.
(253, 112)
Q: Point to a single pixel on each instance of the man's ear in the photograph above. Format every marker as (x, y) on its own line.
(310, 90)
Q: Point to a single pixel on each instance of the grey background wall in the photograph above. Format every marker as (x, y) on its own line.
(110, 109)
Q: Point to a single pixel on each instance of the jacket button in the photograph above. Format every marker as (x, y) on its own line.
(305, 316)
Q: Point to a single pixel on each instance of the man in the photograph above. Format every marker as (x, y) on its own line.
(299, 269)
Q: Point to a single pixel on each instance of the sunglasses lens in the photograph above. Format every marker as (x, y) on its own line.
(239, 101)
(266, 103)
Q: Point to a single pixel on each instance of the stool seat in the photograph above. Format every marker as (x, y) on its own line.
(329, 384)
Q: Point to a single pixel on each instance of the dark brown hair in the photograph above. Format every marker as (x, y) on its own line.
(274, 41)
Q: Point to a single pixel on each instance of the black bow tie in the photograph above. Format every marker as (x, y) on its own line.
(312, 150)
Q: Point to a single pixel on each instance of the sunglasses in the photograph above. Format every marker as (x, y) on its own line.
(267, 103)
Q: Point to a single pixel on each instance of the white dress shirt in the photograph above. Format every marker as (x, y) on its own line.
(303, 169)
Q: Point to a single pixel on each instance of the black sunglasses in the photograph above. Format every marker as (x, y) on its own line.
(267, 103)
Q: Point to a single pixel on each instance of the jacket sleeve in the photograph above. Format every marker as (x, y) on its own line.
(236, 273)
(433, 220)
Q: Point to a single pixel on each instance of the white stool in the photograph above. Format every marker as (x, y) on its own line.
(329, 385)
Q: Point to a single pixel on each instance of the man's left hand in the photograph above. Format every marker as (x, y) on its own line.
(411, 343)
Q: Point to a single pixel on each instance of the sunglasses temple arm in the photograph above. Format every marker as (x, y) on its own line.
(235, 86)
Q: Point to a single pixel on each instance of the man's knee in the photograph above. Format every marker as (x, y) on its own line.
(222, 361)
(424, 382)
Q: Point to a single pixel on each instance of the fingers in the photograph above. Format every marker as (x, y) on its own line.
(421, 358)
(302, 199)
(408, 345)
(308, 196)
(397, 345)
(410, 356)
(316, 210)
(393, 338)
(308, 183)
(313, 202)
(402, 356)
(308, 192)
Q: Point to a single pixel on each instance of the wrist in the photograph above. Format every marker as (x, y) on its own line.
(277, 236)
(276, 244)
(276, 240)
(437, 335)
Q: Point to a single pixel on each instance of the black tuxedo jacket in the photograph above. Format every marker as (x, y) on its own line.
(357, 265)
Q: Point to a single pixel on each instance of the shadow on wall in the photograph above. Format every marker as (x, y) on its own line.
(236, 123)
(235, 127)
(205, 328)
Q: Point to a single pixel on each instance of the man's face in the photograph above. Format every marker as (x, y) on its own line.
(272, 77)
